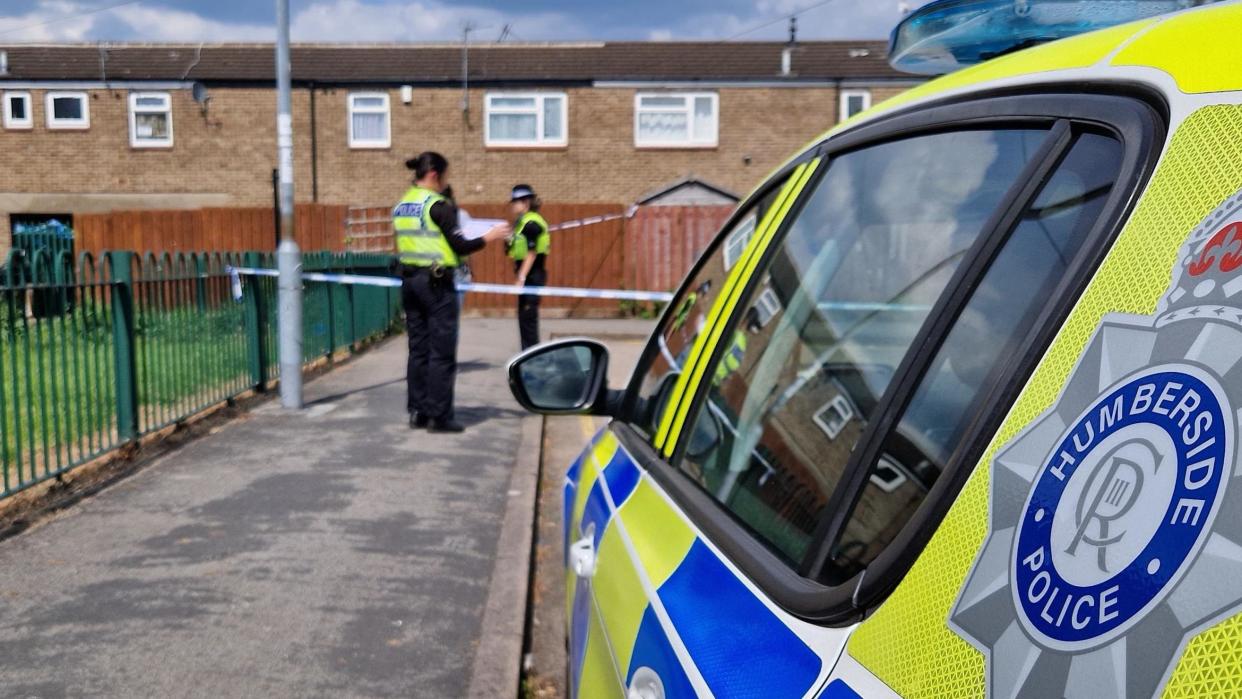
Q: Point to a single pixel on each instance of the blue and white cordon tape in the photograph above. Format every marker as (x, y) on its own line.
(563, 291)
(592, 220)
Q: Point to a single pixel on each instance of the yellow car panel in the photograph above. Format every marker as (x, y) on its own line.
(661, 537)
(620, 596)
(1214, 64)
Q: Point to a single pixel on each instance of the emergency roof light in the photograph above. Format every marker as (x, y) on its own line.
(945, 35)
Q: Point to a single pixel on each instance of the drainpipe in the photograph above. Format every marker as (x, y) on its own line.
(314, 129)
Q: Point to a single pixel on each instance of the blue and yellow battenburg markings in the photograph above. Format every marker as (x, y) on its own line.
(726, 630)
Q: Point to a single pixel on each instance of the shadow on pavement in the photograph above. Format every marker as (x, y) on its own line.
(467, 367)
(476, 415)
(345, 394)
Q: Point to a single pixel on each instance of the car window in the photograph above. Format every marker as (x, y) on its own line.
(832, 317)
(1027, 269)
(687, 316)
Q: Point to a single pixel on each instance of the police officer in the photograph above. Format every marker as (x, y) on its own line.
(430, 246)
(528, 248)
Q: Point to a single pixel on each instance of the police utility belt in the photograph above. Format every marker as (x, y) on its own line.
(435, 270)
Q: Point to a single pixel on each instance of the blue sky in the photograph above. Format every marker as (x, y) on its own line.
(438, 20)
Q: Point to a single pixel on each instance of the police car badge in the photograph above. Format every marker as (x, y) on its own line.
(1115, 522)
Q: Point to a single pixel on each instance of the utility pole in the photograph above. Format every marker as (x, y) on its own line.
(466, 28)
(288, 256)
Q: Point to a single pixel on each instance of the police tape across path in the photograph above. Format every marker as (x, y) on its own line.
(362, 280)
(592, 220)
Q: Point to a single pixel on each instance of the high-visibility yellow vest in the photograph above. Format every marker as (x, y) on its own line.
(519, 247)
(732, 359)
(683, 311)
(420, 242)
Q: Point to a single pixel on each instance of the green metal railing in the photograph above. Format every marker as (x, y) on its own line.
(97, 353)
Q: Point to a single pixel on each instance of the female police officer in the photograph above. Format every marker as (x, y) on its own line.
(430, 246)
(528, 248)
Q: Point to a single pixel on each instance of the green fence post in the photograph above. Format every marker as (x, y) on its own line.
(200, 280)
(256, 324)
(122, 264)
(353, 318)
(330, 291)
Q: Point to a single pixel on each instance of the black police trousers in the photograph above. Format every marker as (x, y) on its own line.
(431, 321)
(528, 309)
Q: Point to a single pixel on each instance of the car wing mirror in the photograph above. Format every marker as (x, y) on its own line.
(563, 377)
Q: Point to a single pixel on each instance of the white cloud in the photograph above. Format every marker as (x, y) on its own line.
(52, 20)
(149, 23)
(323, 20)
(352, 20)
(843, 19)
(429, 20)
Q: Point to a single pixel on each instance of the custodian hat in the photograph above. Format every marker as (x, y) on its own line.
(522, 191)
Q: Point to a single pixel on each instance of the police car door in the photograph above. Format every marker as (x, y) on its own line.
(867, 324)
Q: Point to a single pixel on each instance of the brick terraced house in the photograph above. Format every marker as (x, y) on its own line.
(136, 126)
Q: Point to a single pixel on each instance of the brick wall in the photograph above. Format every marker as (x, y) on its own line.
(759, 129)
(225, 157)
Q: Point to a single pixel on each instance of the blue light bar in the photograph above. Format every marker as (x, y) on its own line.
(946, 35)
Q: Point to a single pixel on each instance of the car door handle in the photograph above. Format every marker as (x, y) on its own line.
(645, 684)
(582, 556)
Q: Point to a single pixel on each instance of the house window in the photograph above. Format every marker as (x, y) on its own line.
(369, 125)
(735, 243)
(853, 102)
(17, 111)
(150, 120)
(834, 415)
(68, 110)
(531, 119)
(766, 307)
(676, 120)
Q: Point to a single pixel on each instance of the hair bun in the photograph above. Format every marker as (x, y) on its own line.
(412, 163)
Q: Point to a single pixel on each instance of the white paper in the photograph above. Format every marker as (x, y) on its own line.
(472, 228)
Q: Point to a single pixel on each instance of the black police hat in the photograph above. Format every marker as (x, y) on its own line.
(522, 191)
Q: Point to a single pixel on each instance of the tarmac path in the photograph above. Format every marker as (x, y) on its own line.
(329, 552)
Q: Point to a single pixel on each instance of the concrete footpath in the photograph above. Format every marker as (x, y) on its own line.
(330, 552)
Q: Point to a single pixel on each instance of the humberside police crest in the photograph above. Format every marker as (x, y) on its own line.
(1116, 517)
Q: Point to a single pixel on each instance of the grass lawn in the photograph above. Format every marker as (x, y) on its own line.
(58, 378)
(58, 361)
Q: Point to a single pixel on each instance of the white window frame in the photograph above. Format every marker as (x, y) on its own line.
(540, 141)
(9, 121)
(842, 413)
(890, 463)
(694, 140)
(386, 110)
(767, 305)
(843, 102)
(136, 141)
(738, 238)
(54, 123)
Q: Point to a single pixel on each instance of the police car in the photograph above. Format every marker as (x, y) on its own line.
(951, 407)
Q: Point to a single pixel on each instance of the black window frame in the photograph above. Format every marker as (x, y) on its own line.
(1133, 115)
